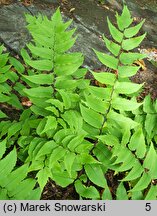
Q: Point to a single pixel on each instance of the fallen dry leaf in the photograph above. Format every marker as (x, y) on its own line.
(141, 64)
(27, 2)
(26, 102)
(65, 1)
(5, 2)
(71, 10)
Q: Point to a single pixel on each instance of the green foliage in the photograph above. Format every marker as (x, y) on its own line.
(70, 131)
(7, 76)
(14, 183)
(125, 126)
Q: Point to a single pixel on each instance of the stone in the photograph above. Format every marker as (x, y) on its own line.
(14, 35)
(88, 17)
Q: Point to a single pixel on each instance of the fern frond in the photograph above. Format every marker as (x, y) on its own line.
(8, 79)
(14, 183)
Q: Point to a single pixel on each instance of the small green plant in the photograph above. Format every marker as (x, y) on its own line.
(72, 132)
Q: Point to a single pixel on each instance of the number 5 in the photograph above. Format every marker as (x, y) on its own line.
(148, 207)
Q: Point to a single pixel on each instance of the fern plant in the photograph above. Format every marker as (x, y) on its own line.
(8, 79)
(72, 132)
(50, 134)
(13, 181)
(112, 116)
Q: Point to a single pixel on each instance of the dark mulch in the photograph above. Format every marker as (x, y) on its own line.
(55, 192)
